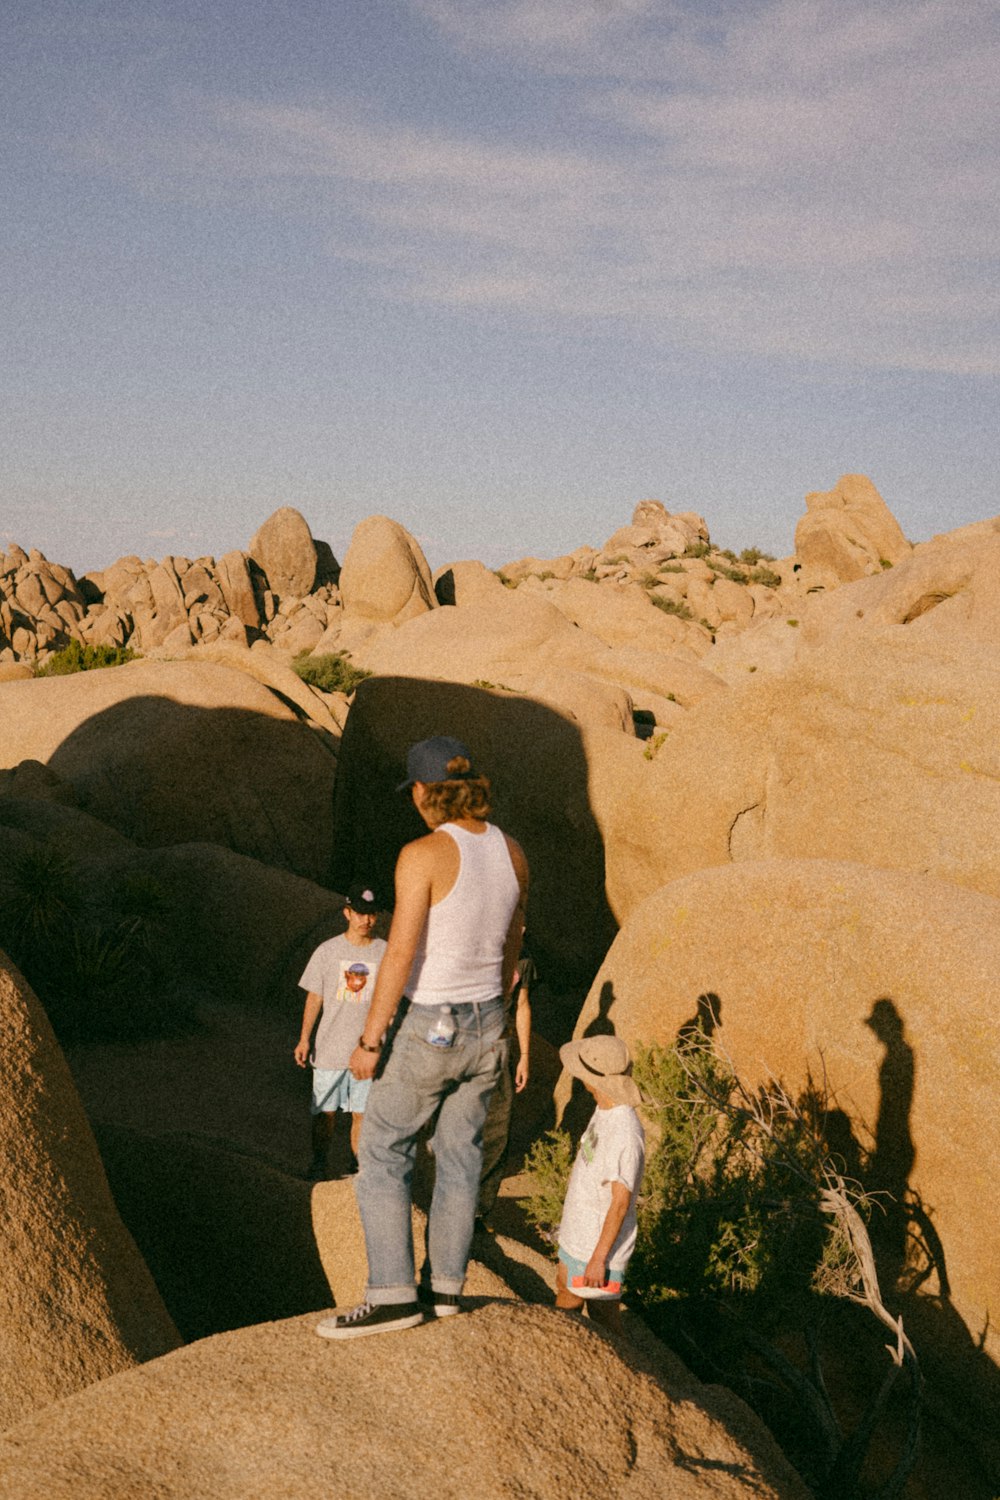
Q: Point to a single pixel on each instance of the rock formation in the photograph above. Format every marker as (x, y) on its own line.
(284, 550)
(78, 1304)
(254, 1409)
(780, 778)
(132, 742)
(176, 602)
(385, 578)
(877, 986)
(848, 532)
(536, 762)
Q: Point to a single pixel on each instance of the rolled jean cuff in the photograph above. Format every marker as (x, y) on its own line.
(382, 1296)
(450, 1285)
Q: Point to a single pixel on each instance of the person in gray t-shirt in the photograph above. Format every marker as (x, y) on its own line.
(339, 980)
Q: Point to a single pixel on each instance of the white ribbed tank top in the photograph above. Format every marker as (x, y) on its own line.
(460, 956)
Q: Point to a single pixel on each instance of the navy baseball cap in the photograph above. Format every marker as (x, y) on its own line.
(361, 897)
(427, 760)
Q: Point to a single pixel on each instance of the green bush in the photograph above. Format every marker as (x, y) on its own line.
(751, 1243)
(79, 658)
(753, 555)
(733, 574)
(766, 576)
(697, 549)
(726, 1206)
(671, 607)
(332, 672)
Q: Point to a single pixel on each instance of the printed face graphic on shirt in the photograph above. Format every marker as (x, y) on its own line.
(353, 981)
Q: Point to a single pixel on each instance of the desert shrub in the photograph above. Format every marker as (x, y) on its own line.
(697, 549)
(671, 606)
(589, 575)
(331, 672)
(753, 555)
(733, 574)
(95, 964)
(751, 1241)
(548, 1165)
(77, 657)
(766, 576)
(672, 567)
(508, 583)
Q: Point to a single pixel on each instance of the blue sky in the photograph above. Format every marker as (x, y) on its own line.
(496, 268)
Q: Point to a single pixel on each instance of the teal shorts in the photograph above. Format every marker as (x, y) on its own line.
(574, 1272)
(337, 1088)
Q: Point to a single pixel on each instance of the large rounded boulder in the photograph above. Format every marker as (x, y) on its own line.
(880, 748)
(879, 983)
(489, 1404)
(385, 578)
(534, 756)
(285, 550)
(79, 1304)
(177, 752)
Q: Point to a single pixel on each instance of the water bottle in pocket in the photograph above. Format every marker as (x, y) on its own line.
(442, 1033)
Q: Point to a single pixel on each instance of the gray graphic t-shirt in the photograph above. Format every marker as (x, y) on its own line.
(343, 975)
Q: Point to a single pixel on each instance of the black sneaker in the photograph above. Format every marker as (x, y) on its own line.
(439, 1304)
(369, 1317)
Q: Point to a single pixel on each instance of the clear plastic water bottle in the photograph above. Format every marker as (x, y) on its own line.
(442, 1033)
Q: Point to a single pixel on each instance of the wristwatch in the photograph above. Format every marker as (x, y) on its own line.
(365, 1047)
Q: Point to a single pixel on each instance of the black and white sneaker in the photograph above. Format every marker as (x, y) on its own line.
(439, 1304)
(370, 1317)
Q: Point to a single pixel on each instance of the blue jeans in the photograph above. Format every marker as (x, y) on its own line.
(418, 1080)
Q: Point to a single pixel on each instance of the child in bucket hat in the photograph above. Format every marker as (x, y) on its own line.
(598, 1228)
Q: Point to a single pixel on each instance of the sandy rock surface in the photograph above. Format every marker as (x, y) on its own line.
(465, 1406)
(880, 749)
(491, 641)
(78, 1302)
(171, 752)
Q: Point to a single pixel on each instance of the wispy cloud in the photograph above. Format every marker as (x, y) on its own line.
(806, 177)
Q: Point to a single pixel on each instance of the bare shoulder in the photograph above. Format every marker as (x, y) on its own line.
(519, 860)
(418, 852)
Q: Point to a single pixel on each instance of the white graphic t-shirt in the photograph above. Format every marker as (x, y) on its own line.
(612, 1149)
(342, 973)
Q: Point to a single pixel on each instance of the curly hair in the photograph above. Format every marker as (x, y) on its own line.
(463, 795)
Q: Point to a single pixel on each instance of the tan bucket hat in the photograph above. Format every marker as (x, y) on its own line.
(606, 1064)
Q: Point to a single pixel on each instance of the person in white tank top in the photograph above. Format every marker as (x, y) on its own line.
(453, 945)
